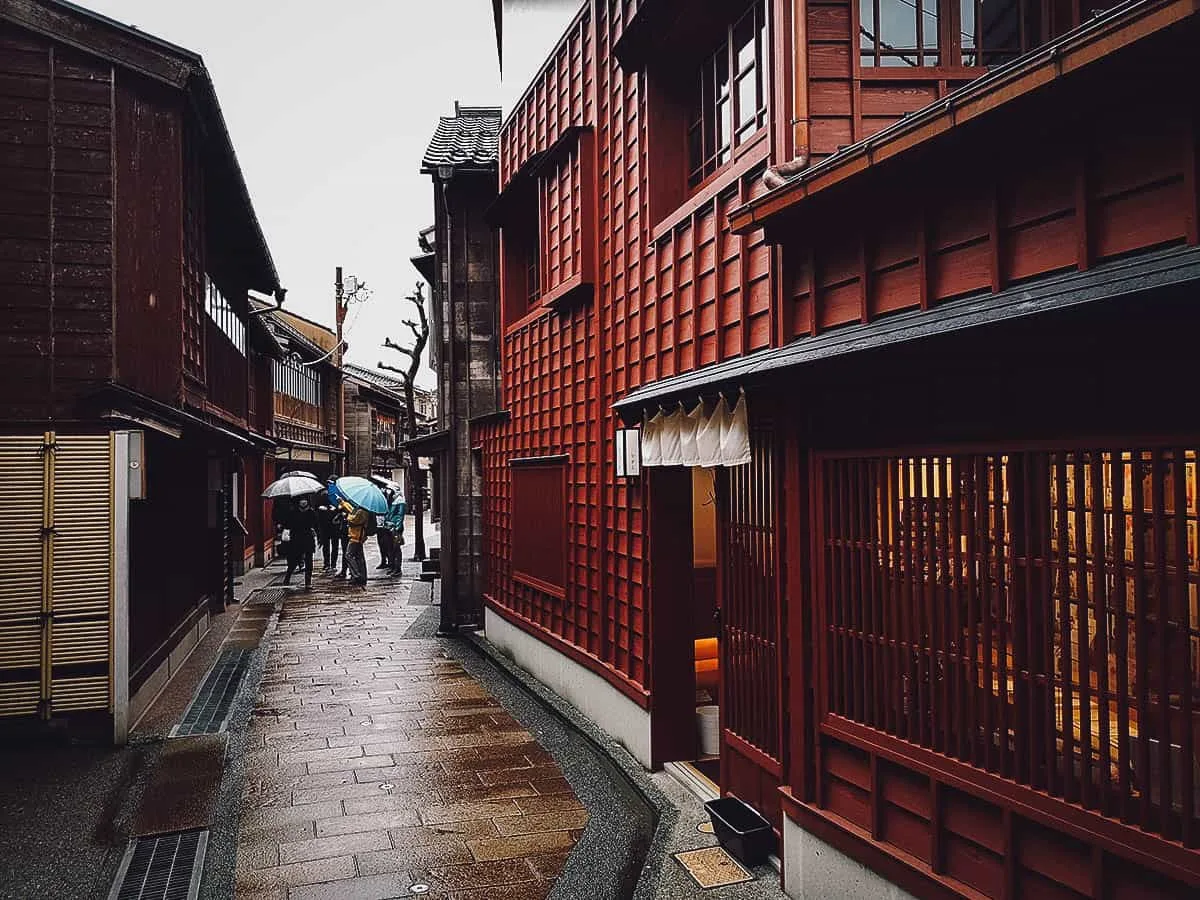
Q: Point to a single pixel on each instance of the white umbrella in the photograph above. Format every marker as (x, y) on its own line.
(293, 486)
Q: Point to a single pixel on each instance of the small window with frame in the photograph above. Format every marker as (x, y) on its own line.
(730, 95)
(898, 33)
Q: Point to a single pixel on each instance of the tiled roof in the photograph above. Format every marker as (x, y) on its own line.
(373, 377)
(468, 138)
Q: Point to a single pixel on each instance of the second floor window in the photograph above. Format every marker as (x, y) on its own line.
(899, 32)
(221, 311)
(991, 30)
(928, 33)
(298, 381)
(730, 104)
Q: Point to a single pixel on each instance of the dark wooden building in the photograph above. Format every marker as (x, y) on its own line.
(375, 423)
(948, 251)
(461, 267)
(135, 388)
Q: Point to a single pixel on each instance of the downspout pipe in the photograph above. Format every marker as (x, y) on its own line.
(798, 117)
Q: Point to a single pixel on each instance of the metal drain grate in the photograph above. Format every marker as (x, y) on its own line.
(164, 867)
(210, 708)
(266, 595)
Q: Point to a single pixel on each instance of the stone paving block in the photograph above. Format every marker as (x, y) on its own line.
(520, 845)
(345, 765)
(444, 852)
(384, 801)
(568, 820)
(460, 812)
(476, 791)
(374, 887)
(482, 875)
(532, 890)
(375, 821)
(308, 872)
(339, 845)
(271, 817)
(548, 804)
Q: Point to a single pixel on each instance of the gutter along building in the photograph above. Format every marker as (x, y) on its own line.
(134, 385)
(955, 587)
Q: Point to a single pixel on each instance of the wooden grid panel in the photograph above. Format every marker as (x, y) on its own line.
(1035, 614)
(556, 100)
(567, 206)
(750, 633)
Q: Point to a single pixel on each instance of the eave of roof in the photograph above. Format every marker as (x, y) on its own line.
(1119, 278)
(1109, 31)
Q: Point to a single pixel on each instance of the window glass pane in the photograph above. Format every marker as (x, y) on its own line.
(722, 69)
(999, 31)
(897, 25)
(966, 12)
(747, 99)
(929, 25)
(723, 131)
(743, 42)
(866, 31)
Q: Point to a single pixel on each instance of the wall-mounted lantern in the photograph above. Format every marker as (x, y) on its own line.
(629, 453)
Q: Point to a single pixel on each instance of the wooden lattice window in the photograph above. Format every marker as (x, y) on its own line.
(1034, 613)
(539, 523)
(730, 100)
(193, 262)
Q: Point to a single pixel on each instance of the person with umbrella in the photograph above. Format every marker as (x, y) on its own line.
(298, 520)
(301, 523)
(359, 498)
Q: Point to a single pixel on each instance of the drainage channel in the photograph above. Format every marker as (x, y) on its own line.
(209, 710)
(162, 867)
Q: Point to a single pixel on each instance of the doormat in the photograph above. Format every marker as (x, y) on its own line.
(712, 867)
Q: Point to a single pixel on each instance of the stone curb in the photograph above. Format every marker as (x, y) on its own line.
(640, 868)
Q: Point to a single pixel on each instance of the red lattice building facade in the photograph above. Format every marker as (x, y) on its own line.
(955, 642)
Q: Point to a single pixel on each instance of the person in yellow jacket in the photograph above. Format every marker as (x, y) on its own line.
(356, 561)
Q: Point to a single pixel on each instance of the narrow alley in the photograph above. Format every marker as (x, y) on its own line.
(377, 764)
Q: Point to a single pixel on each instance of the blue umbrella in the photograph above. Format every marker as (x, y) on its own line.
(362, 493)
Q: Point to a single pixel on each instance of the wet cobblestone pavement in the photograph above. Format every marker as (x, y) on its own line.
(376, 764)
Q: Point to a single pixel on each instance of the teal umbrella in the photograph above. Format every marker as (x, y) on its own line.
(362, 493)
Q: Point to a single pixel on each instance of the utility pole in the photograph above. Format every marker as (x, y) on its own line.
(340, 316)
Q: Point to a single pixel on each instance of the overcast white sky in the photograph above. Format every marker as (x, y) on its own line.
(331, 106)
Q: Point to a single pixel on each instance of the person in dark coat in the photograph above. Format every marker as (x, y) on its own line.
(302, 524)
(327, 533)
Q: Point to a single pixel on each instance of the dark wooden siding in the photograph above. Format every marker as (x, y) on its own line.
(149, 215)
(56, 191)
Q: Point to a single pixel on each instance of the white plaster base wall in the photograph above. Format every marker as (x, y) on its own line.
(813, 870)
(588, 692)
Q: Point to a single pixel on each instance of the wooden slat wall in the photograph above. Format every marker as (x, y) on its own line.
(150, 211)
(56, 194)
(1009, 210)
